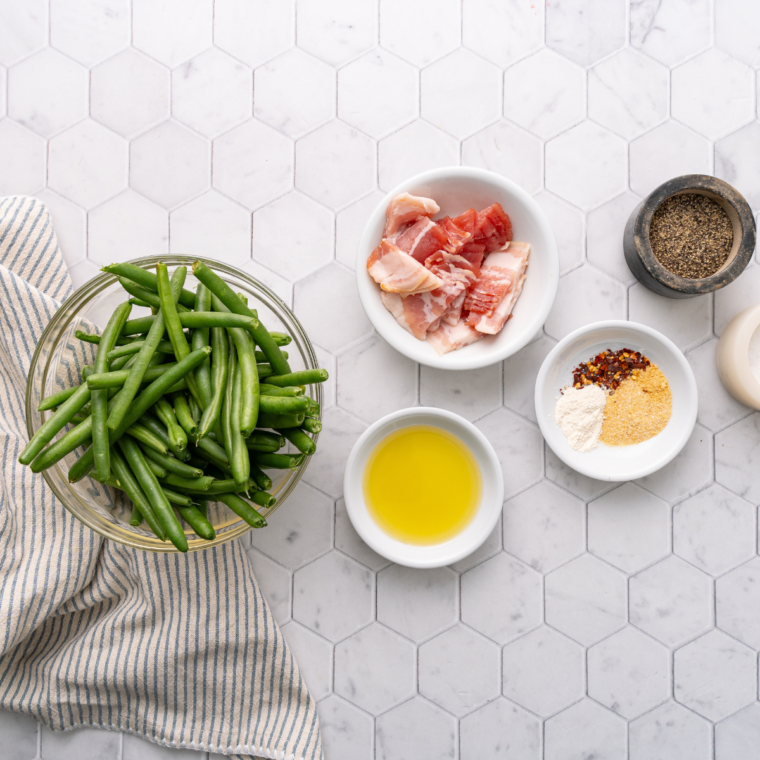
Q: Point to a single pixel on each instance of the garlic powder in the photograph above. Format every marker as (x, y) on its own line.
(579, 413)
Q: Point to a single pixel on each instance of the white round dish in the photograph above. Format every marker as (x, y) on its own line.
(434, 555)
(618, 463)
(455, 189)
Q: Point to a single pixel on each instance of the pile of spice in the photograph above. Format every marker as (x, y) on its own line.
(618, 397)
(691, 235)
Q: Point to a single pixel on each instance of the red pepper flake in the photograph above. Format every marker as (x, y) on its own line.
(609, 368)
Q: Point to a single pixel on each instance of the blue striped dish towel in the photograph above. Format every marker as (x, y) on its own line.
(179, 649)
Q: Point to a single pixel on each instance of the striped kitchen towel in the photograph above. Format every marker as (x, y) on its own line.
(179, 649)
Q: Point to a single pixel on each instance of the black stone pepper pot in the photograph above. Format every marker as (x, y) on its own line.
(653, 275)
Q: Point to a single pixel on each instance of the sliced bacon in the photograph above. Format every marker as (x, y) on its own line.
(467, 221)
(496, 278)
(423, 238)
(397, 272)
(405, 209)
(493, 228)
(474, 253)
(455, 236)
(451, 337)
(453, 314)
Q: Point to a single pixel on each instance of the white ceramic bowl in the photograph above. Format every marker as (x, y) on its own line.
(434, 555)
(617, 463)
(455, 189)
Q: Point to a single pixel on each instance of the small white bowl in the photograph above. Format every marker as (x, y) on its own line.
(455, 189)
(618, 463)
(434, 555)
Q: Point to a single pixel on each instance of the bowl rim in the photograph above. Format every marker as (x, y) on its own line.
(83, 294)
(675, 352)
(384, 544)
(369, 290)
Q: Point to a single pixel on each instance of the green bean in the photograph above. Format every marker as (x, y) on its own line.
(219, 372)
(261, 440)
(235, 304)
(147, 280)
(156, 497)
(183, 414)
(176, 498)
(89, 338)
(261, 356)
(314, 408)
(72, 440)
(165, 412)
(202, 507)
(277, 421)
(158, 429)
(136, 518)
(54, 424)
(198, 522)
(222, 486)
(264, 370)
(238, 455)
(132, 488)
(194, 484)
(263, 499)
(156, 469)
(56, 399)
(198, 464)
(120, 363)
(99, 398)
(150, 439)
(277, 461)
(200, 338)
(260, 478)
(304, 377)
(280, 338)
(274, 390)
(164, 347)
(213, 448)
(138, 302)
(111, 480)
(173, 465)
(243, 510)
(145, 295)
(300, 440)
(284, 405)
(311, 425)
(118, 378)
(194, 320)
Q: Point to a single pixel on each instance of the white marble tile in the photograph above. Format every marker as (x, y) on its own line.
(715, 675)
(670, 732)
(501, 598)
(417, 603)
(586, 165)
(506, 150)
(349, 226)
(3, 90)
(170, 164)
(254, 30)
(585, 730)
(739, 295)
(513, 30)
(735, 22)
(294, 93)
(375, 669)
(416, 148)
(567, 224)
(604, 236)
(126, 227)
(347, 733)
(253, 164)
(337, 31)
(89, 31)
(19, 734)
(714, 530)
(736, 457)
(518, 446)
(349, 542)
(672, 601)
(472, 394)
(582, 486)
(586, 599)
(306, 533)
(628, 93)
(499, 729)
(585, 30)
(560, 101)
(70, 224)
(629, 673)
(544, 527)
(737, 603)
(275, 583)
(333, 329)
(26, 30)
(326, 360)
(339, 433)
(82, 272)
(378, 93)
(737, 160)
(47, 92)
(314, 656)
(320, 591)
(670, 30)
(519, 376)
(569, 312)
(472, 83)
(667, 151)
(212, 92)
(687, 473)
(137, 748)
(129, 93)
(459, 670)
(82, 743)
(212, 225)
(284, 289)
(416, 729)
(726, 87)
(172, 31)
(423, 36)
(293, 250)
(335, 164)
(489, 548)
(87, 164)
(544, 671)
(738, 735)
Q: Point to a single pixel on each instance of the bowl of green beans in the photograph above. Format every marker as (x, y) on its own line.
(173, 403)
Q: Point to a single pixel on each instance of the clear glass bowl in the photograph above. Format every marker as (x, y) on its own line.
(57, 364)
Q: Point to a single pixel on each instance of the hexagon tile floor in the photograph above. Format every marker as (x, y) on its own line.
(597, 621)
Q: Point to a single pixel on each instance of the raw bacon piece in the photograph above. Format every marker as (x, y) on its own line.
(494, 228)
(397, 272)
(451, 337)
(452, 315)
(421, 239)
(405, 209)
(455, 236)
(474, 253)
(514, 259)
(467, 221)
(496, 278)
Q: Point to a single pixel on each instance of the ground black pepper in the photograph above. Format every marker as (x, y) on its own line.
(691, 235)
